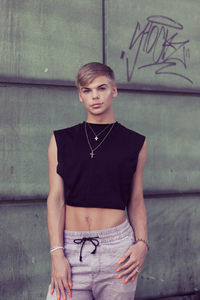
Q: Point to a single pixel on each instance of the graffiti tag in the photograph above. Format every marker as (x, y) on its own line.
(159, 41)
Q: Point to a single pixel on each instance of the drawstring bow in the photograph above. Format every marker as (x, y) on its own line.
(93, 240)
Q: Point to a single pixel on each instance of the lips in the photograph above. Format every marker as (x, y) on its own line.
(96, 105)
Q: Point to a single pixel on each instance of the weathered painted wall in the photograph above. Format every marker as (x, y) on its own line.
(172, 265)
(24, 251)
(46, 42)
(155, 44)
(27, 118)
(34, 36)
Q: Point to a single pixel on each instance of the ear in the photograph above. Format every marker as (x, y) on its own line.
(114, 91)
(80, 98)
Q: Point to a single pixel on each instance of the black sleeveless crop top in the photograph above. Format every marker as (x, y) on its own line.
(103, 181)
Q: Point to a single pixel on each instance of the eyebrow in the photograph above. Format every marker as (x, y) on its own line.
(102, 84)
(87, 88)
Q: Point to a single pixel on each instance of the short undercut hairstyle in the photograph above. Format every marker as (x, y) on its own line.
(87, 73)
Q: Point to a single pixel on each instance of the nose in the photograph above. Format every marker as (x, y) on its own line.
(95, 94)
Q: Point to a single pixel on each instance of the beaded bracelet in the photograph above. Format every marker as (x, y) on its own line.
(145, 242)
(55, 248)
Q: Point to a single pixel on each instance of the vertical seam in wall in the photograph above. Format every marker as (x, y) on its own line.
(103, 33)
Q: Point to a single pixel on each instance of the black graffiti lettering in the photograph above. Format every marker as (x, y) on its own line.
(149, 46)
(160, 43)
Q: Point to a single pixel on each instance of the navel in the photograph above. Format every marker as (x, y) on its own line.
(88, 221)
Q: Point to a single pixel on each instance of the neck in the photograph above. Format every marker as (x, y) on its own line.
(100, 119)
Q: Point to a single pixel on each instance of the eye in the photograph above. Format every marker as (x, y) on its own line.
(102, 88)
(85, 91)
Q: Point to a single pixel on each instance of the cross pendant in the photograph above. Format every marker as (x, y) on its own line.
(96, 138)
(92, 154)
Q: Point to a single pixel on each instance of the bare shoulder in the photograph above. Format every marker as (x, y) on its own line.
(142, 155)
(52, 142)
(143, 152)
(52, 150)
(55, 180)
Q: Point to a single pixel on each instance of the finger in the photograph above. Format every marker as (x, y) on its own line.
(69, 277)
(132, 275)
(70, 285)
(61, 288)
(57, 290)
(133, 278)
(127, 271)
(124, 257)
(67, 282)
(127, 265)
(67, 287)
(52, 286)
(127, 279)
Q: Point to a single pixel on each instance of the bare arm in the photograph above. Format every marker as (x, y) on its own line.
(137, 217)
(55, 201)
(136, 208)
(61, 274)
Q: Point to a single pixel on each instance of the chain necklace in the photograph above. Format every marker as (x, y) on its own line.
(94, 149)
(96, 135)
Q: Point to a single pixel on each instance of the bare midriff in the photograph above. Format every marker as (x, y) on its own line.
(89, 218)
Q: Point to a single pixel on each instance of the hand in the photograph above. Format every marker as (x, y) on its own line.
(136, 256)
(60, 275)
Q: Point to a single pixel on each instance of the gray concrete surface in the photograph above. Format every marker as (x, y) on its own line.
(172, 265)
(169, 53)
(25, 265)
(41, 41)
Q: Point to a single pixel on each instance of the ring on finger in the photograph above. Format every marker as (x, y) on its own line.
(137, 270)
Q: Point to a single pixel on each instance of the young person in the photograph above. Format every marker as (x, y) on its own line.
(95, 172)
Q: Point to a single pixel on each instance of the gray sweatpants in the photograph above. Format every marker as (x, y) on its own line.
(94, 276)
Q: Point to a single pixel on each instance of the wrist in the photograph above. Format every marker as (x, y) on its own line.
(56, 248)
(56, 251)
(57, 254)
(142, 241)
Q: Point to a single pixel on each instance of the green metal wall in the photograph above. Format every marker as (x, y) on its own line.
(42, 46)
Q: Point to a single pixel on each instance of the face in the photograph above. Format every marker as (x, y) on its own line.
(97, 96)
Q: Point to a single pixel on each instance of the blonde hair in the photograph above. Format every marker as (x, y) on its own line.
(87, 73)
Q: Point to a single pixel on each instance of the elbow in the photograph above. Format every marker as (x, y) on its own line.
(135, 203)
(55, 200)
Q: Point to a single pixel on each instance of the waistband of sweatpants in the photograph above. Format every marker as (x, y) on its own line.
(105, 235)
